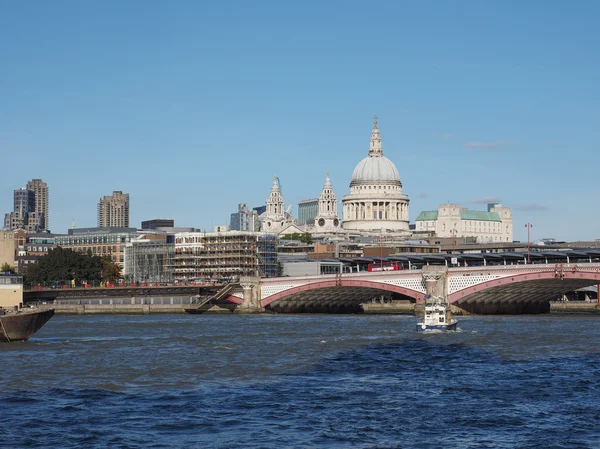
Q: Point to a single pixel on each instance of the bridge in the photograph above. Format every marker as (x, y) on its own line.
(491, 289)
(499, 289)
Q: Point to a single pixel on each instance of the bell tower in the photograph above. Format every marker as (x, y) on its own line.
(328, 220)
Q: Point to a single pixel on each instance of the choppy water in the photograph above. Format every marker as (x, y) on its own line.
(302, 381)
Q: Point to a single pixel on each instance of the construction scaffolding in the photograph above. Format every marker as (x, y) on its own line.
(147, 261)
(223, 256)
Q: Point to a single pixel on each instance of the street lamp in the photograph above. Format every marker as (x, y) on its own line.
(528, 226)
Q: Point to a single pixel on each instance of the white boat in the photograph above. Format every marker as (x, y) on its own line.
(437, 315)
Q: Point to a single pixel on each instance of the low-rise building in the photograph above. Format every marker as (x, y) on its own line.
(452, 221)
(8, 246)
(147, 259)
(101, 242)
(202, 256)
(11, 290)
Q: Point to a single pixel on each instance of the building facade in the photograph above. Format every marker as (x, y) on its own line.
(452, 221)
(244, 219)
(376, 203)
(275, 219)
(113, 211)
(42, 197)
(222, 256)
(147, 259)
(327, 220)
(30, 206)
(307, 211)
(8, 248)
(158, 223)
(103, 242)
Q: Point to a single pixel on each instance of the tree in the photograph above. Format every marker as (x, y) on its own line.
(306, 238)
(62, 264)
(7, 268)
(110, 270)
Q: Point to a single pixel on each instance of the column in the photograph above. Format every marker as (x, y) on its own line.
(247, 289)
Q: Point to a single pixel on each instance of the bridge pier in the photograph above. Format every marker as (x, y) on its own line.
(435, 278)
(251, 298)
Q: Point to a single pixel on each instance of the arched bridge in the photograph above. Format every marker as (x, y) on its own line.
(484, 289)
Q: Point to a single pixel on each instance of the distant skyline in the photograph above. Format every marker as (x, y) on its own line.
(193, 107)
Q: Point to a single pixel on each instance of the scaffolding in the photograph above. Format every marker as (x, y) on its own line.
(147, 261)
(223, 256)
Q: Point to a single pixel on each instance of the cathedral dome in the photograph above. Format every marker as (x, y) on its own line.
(375, 169)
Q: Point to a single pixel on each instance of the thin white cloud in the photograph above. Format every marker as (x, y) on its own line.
(486, 145)
(423, 195)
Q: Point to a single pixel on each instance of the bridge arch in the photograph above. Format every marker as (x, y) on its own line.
(340, 283)
(523, 293)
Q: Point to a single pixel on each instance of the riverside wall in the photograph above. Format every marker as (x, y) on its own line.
(397, 307)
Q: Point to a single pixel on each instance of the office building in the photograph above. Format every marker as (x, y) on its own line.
(158, 223)
(41, 209)
(307, 211)
(113, 211)
(244, 219)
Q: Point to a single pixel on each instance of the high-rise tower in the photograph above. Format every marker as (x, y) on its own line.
(113, 211)
(40, 190)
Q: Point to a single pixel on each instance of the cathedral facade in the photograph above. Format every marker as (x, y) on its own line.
(376, 203)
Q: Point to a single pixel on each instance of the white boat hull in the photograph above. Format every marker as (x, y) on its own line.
(440, 327)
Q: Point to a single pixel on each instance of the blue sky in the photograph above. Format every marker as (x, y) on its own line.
(193, 107)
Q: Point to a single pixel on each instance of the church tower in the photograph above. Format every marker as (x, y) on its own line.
(275, 217)
(327, 221)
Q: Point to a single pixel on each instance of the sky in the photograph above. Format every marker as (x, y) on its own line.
(192, 107)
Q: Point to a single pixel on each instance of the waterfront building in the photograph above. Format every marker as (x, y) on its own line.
(307, 211)
(244, 219)
(41, 209)
(158, 223)
(327, 220)
(376, 203)
(104, 242)
(147, 258)
(275, 219)
(113, 210)
(30, 247)
(11, 291)
(202, 256)
(7, 247)
(453, 221)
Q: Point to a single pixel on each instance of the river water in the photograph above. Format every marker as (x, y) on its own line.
(302, 381)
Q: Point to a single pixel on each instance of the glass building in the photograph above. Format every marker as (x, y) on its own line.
(307, 211)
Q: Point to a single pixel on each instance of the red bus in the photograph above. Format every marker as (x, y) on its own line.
(385, 266)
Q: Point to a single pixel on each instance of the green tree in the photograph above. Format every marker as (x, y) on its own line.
(62, 264)
(7, 268)
(306, 238)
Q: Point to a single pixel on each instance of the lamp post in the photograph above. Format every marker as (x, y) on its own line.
(453, 232)
(528, 226)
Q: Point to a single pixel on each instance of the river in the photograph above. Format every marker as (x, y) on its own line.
(303, 381)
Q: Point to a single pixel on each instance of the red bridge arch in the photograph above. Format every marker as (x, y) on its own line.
(568, 273)
(343, 283)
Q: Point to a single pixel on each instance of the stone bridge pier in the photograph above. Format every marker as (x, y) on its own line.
(435, 279)
(251, 295)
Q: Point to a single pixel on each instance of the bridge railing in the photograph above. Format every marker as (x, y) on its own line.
(69, 285)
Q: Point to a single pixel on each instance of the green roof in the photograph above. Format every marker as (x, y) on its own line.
(427, 215)
(478, 215)
(432, 215)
